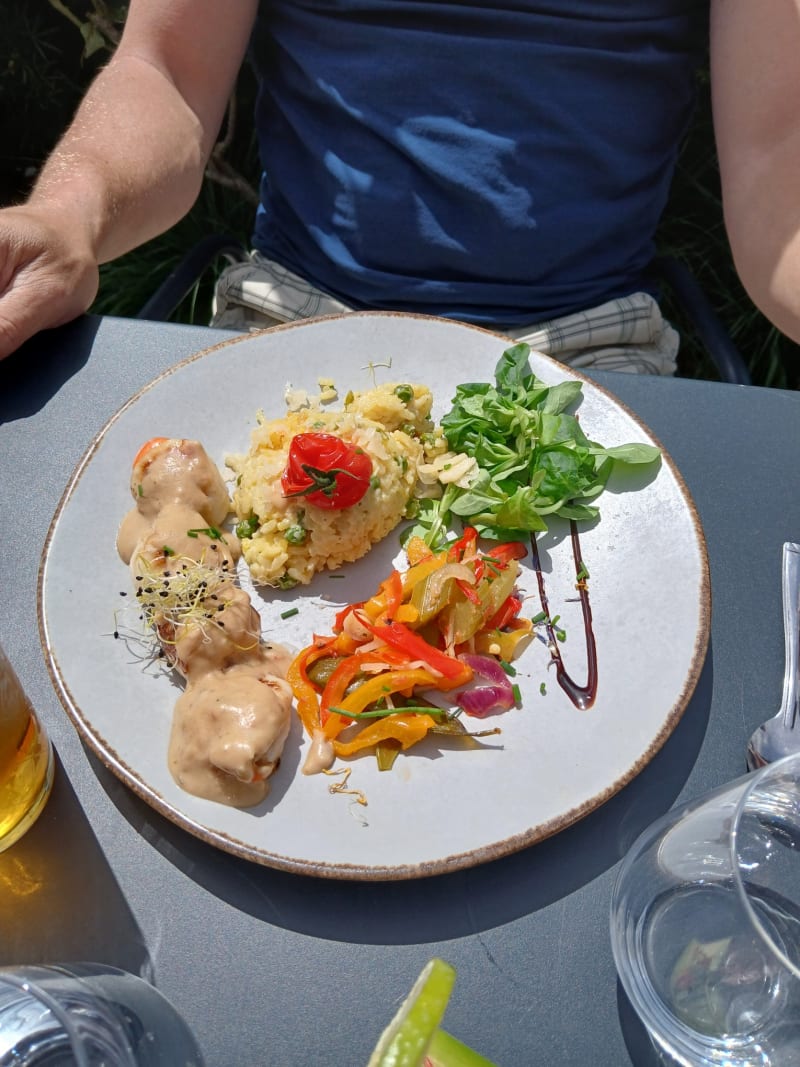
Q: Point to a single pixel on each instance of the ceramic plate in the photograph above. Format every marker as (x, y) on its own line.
(441, 807)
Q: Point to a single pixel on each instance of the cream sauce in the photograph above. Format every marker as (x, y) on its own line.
(178, 471)
(227, 630)
(228, 732)
(176, 531)
(321, 754)
(232, 720)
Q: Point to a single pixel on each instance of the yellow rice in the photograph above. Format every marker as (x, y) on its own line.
(378, 421)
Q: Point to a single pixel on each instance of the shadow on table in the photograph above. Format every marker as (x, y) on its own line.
(59, 901)
(446, 906)
(35, 375)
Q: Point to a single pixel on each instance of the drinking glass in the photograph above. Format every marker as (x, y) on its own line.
(26, 759)
(88, 1015)
(705, 925)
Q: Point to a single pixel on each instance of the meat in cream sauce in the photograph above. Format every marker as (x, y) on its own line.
(231, 722)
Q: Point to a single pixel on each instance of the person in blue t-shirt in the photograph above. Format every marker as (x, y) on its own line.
(502, 164)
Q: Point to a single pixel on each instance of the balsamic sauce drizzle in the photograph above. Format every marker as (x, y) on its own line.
(582, 696)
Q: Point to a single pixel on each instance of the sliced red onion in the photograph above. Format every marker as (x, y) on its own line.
(494, 696)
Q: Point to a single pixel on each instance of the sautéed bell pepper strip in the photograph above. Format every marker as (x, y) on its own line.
(402, 680)
(388, 598)
(509, 609)
(466, 545)
(396, 634)
(507, 550)
(304, 690)
(333, 694)
(407, 729)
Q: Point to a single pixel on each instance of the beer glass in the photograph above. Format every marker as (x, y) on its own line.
(26, 759)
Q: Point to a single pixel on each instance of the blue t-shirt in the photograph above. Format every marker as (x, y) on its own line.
(495, 163)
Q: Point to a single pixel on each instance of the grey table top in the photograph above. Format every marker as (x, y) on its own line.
(276, 969)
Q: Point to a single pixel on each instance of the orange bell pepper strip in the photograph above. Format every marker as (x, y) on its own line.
(452, 670)
(417, 550)
(387, 599)
(407, 729)
(305, 693)
(402, 680)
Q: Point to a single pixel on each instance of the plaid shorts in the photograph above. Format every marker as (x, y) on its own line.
(628, 334)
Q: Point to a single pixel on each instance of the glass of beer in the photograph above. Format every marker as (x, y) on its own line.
(26, 759)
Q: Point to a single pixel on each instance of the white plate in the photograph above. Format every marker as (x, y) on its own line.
(440, 808)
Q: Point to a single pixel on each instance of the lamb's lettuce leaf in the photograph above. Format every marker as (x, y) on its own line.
(534, 458)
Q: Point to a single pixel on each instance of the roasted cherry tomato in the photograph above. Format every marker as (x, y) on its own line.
(326, 471)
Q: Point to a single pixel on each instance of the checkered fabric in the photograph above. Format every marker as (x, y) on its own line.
(628, 334)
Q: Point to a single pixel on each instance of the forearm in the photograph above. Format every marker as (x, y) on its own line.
(131, 163)
(756, 89)
(762, 214)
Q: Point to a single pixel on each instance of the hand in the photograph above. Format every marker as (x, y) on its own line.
(48, 275)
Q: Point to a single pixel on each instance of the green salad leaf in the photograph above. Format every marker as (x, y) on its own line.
(534, 459)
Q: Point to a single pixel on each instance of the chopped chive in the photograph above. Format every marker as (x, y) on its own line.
(515, 689)
(508, 668)
(540, 617)
(209, 531)
(582, 574)
(543, 689)
(336, 576)
(168, 551)
(383, 713)
(289, 612)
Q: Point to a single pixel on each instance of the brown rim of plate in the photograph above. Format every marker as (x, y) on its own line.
(351, 872)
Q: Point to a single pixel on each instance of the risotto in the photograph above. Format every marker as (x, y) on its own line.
(287, 539)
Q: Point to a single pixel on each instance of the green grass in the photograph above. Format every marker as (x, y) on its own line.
(128, 282)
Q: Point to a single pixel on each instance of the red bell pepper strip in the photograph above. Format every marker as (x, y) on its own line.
(399, 636)
(507, 611)
(466, 543)
(501, 554)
